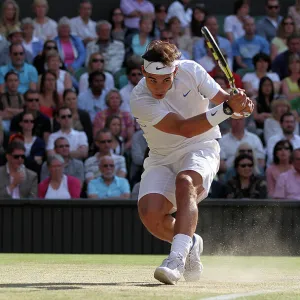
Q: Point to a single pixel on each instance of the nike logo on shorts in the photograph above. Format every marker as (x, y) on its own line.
(184, 95)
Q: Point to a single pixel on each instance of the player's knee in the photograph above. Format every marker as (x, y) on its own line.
(184, 182)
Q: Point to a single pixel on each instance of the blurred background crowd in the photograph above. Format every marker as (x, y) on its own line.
(66, 129)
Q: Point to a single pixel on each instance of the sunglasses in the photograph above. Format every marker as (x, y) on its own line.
(66, 116)
(28, 121)
(63, 146)
(273, 6)
(136, 74)
(18, 53)
(51, 47)
(283, 148)
(246, 165)
(105, 141)
(108, 165)
(98, 60)
(18, 156)
(288, 23)
(118, 14)
(33, 99)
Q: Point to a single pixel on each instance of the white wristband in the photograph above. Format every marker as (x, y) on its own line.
(216, 115)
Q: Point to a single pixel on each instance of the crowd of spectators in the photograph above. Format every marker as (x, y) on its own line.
(66, 128)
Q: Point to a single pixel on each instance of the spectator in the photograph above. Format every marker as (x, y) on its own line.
(282, 162)
(9, 16)
(96, 63)
(114, 125)
(28, 76)
(81, 119)
(82, 26)
(40, 61)
(281, 62)
(288, 183)
(245, 184)
(268, 25)
(181, 40)
(4, 46)
(279, 43)
(245, 47)
(32, 45)
(234, 24)
(77, 139)
(262, 104)
(199, 17)
(49, 98)
(113, 101)
(58, 185)
(93, 99)
(44, 27)
(35, 147)
(17, 182)
(207, 61)
(182, 11)
(200, 48)
(262, 65)
(230, 142)
(294, 12)
(244, 148)
(290, 84)
(118, 30)
(72, 167)
(108, 185)
(137, 43)
(64, 80)
(103, 141)
(288, 124)
(70, 47)
(134, 10)
(113, 51)
(11, 102)
(272, 125)
(159, 23)
(42, 125)
(134, 75)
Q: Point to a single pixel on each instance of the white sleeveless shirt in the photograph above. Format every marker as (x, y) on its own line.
(61, 193)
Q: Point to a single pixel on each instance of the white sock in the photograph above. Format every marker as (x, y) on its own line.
(182, 244)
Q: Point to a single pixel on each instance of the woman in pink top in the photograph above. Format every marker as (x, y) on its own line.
(71, 48)
(282, 162)
(113, 102)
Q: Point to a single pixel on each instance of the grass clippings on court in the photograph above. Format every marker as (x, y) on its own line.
(40, 276)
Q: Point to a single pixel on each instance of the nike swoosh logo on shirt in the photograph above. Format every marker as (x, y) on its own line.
(184, 95)
(212, 114)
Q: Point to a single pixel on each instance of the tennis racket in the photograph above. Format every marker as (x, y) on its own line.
(220, 59)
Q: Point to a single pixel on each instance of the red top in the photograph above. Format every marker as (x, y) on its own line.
(237, 78)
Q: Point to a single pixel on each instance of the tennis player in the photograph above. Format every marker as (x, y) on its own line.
(171, 104)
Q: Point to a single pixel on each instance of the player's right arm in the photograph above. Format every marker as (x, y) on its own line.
(175, 124)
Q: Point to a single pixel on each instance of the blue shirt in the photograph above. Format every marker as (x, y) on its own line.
(246, 49)
(118, 187)
(27, 74)
(199, 49)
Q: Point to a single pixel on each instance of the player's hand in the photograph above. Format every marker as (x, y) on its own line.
(240, 103)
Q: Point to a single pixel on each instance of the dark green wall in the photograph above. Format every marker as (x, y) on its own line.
(59, 8)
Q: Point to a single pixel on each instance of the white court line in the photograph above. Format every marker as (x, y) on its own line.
(236, 296)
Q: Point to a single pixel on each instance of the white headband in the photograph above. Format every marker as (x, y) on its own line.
(158, 68)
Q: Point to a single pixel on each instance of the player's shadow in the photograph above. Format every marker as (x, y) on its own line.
(71, 286)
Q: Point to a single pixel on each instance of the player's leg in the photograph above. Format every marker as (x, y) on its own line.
(154, 210)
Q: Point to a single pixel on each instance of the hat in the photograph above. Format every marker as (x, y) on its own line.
(15, 29)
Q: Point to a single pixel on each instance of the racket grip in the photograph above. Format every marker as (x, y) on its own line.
(234, 92)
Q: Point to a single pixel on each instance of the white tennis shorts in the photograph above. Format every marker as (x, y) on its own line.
(160, 179)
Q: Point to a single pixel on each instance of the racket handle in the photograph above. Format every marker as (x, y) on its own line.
(246, 115)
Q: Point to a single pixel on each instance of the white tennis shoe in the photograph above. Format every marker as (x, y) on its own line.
(193, 265)
(171, 269)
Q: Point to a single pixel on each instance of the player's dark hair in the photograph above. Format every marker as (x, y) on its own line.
(278, 145)
(164, 52)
